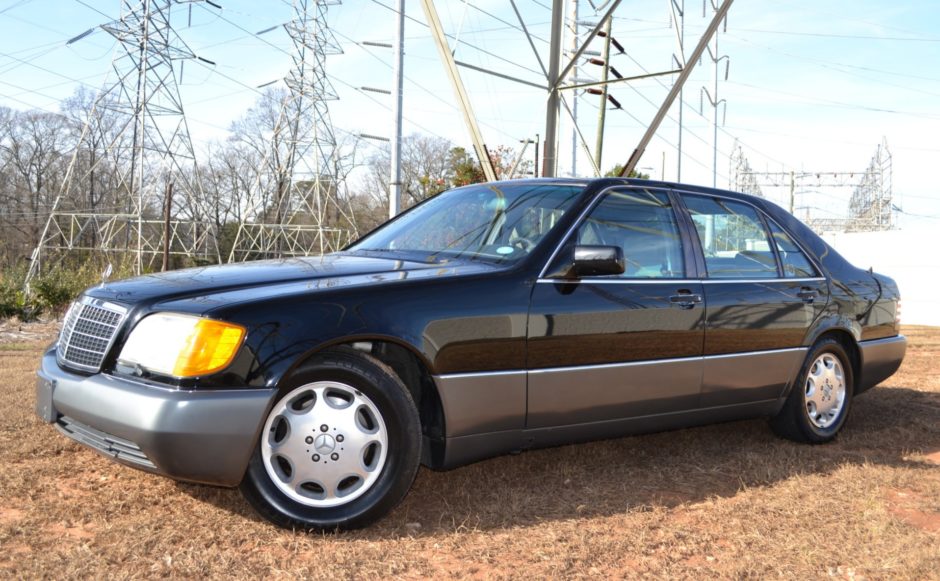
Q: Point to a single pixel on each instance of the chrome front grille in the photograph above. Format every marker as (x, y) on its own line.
(88, 331)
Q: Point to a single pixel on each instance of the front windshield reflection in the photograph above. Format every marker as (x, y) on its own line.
(493, 222)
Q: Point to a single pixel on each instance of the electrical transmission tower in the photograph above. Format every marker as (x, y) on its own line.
(148, 147)
(742, 176)
(869, 207)
(296, 220)
(871, 203)
(677, 22)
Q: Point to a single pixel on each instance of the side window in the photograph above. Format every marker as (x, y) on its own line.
(795, 263)
(643, 224)
(733, 238)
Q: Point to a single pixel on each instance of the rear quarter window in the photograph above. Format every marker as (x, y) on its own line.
(795, 263)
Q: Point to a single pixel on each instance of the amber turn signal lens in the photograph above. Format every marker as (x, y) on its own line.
(210, 347)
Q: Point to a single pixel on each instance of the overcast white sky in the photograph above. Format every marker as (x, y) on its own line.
(812, 86)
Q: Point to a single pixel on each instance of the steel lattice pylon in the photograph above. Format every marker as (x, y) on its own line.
(871, 203)
(742, 176)
(297, 222)
(145, 99)
(813, 195)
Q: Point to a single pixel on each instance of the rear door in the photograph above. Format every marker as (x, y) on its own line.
(761, 294)
(618, 346)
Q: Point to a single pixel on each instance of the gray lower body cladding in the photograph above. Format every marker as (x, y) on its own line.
(197, 436)
(880, 359)
(734, 387)
(208, 436)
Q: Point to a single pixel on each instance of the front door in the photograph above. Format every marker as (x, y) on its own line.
(618, 346)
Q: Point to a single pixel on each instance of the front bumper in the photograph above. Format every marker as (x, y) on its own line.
(880, 359)
(199, 436)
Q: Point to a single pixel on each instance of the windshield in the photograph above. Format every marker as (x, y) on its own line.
(489, 221)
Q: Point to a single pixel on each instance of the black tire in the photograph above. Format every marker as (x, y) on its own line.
(793, 422)
(400, 416)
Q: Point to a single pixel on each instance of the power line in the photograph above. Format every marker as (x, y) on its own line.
(90, 7)
(506, 22)
(416, 84)
(463, 42)
(834, 66)
(849, 36)
(840, 104)
(250, 33)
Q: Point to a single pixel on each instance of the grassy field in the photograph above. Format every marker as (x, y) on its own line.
(723, 501)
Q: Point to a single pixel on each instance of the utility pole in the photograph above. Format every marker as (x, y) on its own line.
(535, 170)
(167, 210)
(792, 192)
(549, 162)
(394, 186)
(713, 99)
(678, 21)
(602, 110)
(573, 48)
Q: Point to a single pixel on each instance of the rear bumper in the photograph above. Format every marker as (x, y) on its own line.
(880, 359)
(198, 436)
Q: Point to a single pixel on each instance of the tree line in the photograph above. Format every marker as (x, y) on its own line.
(247, 177)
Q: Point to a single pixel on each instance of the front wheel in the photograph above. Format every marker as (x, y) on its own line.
(339, 448)
(819, 401)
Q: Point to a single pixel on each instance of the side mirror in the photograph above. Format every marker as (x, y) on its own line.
(597, 261)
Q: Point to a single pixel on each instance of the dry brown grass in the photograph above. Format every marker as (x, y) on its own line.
(723, 501)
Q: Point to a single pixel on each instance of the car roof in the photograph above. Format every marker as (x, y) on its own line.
(612, 181)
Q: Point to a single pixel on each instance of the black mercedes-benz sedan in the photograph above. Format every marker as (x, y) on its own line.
(488, 319)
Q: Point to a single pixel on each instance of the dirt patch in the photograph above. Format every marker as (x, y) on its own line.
(912, 508)
(17, 335)
(77, 532)
(11, 515)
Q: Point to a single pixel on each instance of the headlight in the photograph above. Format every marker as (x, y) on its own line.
(182, 345)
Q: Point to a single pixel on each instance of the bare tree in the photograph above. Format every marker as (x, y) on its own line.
(262, 134)
(426, 170)
(35, 147)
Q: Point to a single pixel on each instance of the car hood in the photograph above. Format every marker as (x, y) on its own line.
(192, 282)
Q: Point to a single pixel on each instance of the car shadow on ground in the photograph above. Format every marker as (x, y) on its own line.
(886, 427)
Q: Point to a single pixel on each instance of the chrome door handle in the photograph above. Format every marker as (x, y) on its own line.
(807, 294)
(685, 300)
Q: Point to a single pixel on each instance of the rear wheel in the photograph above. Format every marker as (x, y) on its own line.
(339, 448)
(819, 402)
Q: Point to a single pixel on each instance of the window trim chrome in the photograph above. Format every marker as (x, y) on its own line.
(704, 280)
(677, 281)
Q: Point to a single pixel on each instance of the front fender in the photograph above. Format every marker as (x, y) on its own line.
(459, 325)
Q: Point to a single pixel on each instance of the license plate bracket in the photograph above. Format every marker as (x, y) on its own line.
(45, 408)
